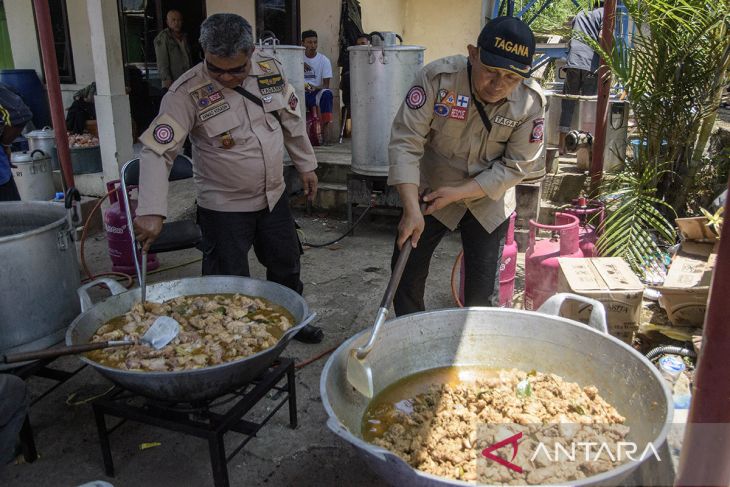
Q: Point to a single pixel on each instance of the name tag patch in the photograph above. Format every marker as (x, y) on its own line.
(499, 119)
(213, 111)
(273, 83)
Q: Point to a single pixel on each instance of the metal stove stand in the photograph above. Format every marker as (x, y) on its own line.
(370, 191)
(199, 419)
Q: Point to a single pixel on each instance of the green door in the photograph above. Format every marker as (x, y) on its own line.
(6, 55)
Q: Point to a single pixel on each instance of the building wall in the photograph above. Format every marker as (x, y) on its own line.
(384, 15)
(78, 22)
(244, 8)
(22, 33)
(442, 28)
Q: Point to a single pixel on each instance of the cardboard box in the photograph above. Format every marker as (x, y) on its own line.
(609, 280)
(687, 286)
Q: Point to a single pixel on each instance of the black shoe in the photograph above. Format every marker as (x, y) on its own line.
(310, 334)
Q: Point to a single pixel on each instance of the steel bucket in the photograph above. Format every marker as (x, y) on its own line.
(186, 385)
(497, 338)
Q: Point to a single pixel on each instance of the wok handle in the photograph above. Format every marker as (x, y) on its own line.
(597, 319)
(83, 293)
(60, 351)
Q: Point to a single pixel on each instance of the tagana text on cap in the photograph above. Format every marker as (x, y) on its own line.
(507, 43)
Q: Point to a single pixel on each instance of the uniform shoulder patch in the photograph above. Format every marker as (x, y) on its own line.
(292, 100)
(416, 97)
(538, 129)
(163, 134)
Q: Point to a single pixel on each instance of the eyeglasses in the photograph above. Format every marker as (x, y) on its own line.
(238, 70)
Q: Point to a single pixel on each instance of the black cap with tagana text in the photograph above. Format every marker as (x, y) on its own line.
(507, 43)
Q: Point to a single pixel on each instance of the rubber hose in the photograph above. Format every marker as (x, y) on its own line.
(348, 232)
(685, 352)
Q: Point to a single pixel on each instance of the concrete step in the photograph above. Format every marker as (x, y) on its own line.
(565, 185)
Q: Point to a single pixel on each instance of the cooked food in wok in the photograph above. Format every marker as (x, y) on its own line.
(213, 329)
(441, 421)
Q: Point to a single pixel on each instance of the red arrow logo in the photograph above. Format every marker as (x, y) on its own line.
(512, 440)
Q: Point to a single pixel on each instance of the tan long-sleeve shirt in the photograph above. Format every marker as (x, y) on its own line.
(238, 146)
(438, 139)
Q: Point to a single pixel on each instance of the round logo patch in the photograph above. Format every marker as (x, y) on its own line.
(163, 134)
(441, 110)
(416, 97)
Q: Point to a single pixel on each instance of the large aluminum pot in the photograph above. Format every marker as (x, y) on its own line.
(379, 80)
(40, 276)
(497, 338)
(187, 385)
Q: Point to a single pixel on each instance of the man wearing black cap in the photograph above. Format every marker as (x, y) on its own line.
(469, 130)
(14, 114)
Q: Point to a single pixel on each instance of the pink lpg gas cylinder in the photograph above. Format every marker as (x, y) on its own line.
(591, 214)
(541, 259)
(507, 268)
(117, 235)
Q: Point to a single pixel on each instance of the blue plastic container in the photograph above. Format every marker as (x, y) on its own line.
(30, 89)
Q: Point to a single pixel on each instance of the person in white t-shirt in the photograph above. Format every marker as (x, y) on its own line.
(317, 75)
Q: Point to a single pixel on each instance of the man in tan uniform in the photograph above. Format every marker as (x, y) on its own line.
(240, 113)
(470, 129)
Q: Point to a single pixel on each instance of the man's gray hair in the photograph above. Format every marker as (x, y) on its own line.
(226, 35)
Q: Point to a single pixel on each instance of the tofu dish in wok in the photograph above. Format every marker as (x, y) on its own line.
(214, 329)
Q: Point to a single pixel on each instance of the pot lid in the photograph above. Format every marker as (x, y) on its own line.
(44, 133)
(27, 157)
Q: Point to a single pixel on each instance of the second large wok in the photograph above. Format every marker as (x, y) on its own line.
(186, 385)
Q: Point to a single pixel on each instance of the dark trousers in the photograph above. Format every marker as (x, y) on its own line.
(9, 191)
(228, 236)
(482, 256)
(14, 405)
(577, 82)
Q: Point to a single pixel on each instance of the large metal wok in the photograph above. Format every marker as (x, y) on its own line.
(186, 385)
(498, 338)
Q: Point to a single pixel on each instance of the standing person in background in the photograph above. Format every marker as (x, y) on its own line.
(470, 129)
(172, 50)
(14, 114)
(317, 76)
(581, 68)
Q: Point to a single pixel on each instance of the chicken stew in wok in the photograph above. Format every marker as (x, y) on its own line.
(213, 329)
